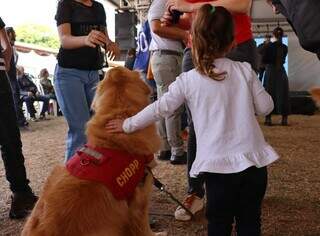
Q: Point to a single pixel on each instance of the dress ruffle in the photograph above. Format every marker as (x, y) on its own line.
(234, 163)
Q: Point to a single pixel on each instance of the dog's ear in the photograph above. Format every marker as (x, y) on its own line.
(121, 77)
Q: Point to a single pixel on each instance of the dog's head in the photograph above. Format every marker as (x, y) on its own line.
(121, 94)
(121, 91)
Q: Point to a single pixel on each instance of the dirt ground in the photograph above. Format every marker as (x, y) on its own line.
(292, 202)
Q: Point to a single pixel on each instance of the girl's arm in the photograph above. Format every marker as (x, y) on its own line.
(263, 103)
(69, 41)
(236, 6)
(161, 108)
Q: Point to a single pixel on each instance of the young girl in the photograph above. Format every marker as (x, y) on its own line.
(223, 97)
(244, 51)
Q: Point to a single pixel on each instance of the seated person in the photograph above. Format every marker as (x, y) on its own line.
(30, 93)
(47, 86)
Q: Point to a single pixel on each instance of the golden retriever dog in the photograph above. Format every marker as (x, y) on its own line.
(70, 206)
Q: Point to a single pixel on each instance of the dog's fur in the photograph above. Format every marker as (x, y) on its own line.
(69, 206)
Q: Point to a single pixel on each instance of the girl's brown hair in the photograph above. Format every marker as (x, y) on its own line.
(212, 36)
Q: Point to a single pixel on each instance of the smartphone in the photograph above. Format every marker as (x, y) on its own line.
(175, 16)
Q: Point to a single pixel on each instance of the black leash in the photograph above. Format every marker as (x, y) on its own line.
(162, 188)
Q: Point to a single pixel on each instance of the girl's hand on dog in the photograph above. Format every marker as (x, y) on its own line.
(114, 126)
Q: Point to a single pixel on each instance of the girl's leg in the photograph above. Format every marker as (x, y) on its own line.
(252, 191)
(71, 91)
(221, 191)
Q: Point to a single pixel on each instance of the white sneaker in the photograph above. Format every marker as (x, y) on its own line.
(34, 119)
(193, 203)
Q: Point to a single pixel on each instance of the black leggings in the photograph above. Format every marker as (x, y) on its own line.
(10, 141)
(235, 196)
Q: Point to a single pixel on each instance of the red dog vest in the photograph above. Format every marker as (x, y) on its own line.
(119, 171)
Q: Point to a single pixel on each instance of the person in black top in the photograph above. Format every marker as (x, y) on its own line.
(22, 198)
(261, 48)
(304, 26)
(82, 32)
(276, 79)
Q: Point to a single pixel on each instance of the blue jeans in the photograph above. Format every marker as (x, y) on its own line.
(75, 90)
(30, 100)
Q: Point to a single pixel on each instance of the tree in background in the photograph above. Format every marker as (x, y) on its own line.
(37, 34)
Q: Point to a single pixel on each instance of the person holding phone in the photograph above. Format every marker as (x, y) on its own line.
(82, 32)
